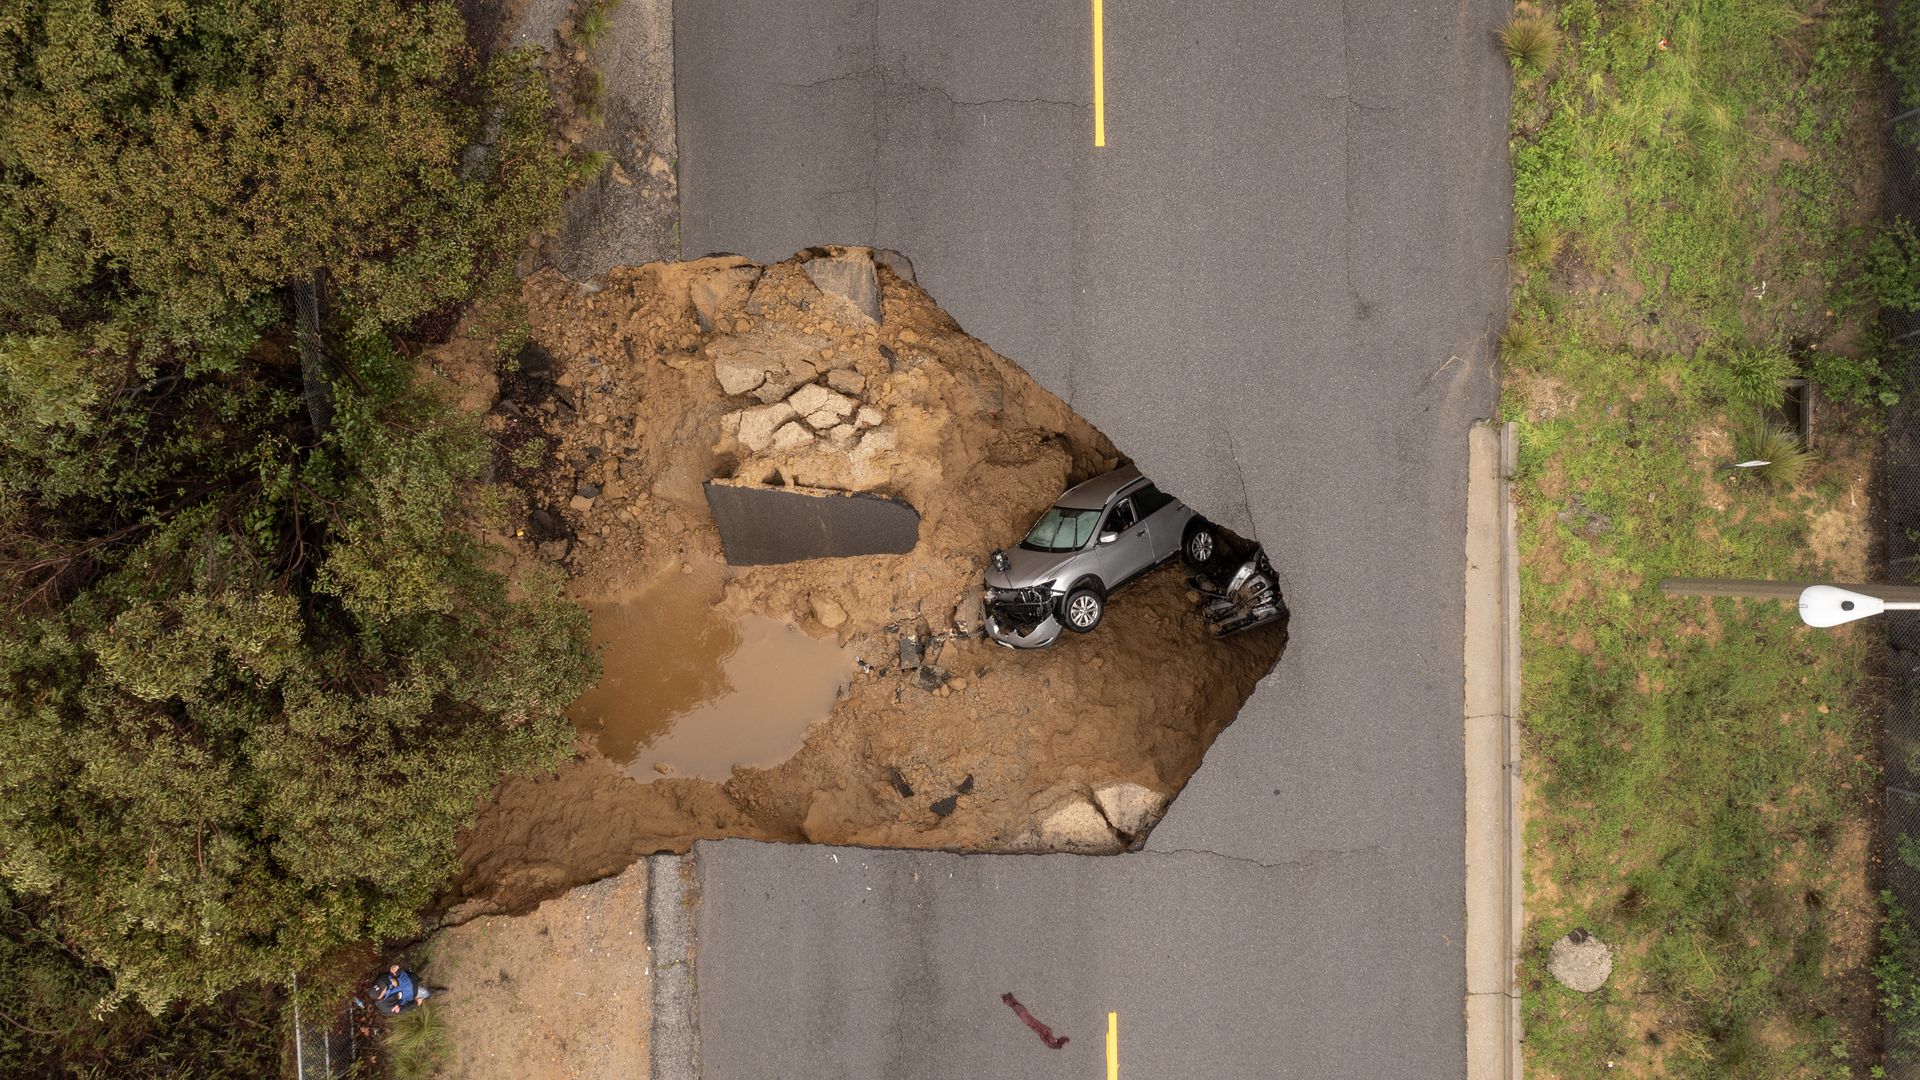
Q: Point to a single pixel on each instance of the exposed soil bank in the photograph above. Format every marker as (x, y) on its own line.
(653, 380)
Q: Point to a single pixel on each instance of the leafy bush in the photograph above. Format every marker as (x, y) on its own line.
(1787, 461)
(1531, 42)
(162, 167)
(1890, 273)
(1756, 374)
(1898, 973)
(1866, 379)
(51, 1027)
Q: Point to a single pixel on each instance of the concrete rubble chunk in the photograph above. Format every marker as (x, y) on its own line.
(1130, 808)
(757, 426)
(830, 614)
(869, 416)
(1580, 961)
(896, 262)
(580, 504)
(814, 398)
(822, 420)
(721, 288)
(792, 437)
(849, 277)
(784, 378)
(737, 376)
(1075, 825)
(846, 380)
(842, 436)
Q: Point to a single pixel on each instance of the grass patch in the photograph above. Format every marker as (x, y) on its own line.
(1698, 770)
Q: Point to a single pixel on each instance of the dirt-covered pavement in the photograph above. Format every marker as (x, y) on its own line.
(940, 739)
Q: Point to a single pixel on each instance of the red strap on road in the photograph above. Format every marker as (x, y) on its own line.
(1054, 1042)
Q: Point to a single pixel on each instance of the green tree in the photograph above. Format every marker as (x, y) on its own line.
(254, 675)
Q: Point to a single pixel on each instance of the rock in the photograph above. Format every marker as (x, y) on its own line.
(784, 379)
(757, 426)
(1074, 825)
(1580, 962)
(849, 277)
(814, 398)
(662, 768)
(737, 376)
(910, 651)
(901, 266)
(943, 807)
(588, 490)
(868, 416)
(555, 549)
(1130, 808)
(846, 380)
(717, 289)
(842, 436)
(958, 684)
(580, 504)
(931, 678)
(822, 420)
(899, 782)
(830, 614)
(792, 437)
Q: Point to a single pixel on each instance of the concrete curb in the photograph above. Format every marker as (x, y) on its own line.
(673, 1046)
(1494, 834)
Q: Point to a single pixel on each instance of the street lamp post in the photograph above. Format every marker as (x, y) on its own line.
(1831, 605)
(1821, 604)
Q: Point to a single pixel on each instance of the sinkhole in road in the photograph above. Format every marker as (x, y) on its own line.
(690, 689)
(837, 700)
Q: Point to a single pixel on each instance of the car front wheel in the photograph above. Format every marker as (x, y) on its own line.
(1201, 544)
(1084, 607)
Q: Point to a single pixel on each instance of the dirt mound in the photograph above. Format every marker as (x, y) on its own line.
(651, 381)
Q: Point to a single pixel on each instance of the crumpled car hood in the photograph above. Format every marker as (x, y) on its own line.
(1026, 567)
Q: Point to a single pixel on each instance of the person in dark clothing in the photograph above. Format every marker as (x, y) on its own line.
(398, 991)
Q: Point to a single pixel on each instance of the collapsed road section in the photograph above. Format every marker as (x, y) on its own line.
(830, 375)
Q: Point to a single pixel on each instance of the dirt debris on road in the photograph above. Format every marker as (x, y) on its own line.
(827, 371)
(562, 991)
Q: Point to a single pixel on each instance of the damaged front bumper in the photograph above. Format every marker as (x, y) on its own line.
(1022, 618)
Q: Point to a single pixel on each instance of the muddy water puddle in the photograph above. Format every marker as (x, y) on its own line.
(699, 691)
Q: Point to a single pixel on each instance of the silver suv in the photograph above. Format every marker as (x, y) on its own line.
(1094, 539)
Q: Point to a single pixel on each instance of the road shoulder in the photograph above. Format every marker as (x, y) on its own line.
(1492, 745)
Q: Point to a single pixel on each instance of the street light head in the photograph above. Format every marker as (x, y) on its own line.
(1828, 605)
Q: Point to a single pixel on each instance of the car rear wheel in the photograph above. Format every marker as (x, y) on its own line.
(1201, 545)
(1083, 608)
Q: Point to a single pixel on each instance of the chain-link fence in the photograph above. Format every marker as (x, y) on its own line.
(1900, 738)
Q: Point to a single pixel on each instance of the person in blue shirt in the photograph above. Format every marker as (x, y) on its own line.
(398, 990)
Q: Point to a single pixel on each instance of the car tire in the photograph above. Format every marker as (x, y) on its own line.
(1201, 545)
(1083, 609)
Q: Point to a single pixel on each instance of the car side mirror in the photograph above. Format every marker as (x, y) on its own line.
(1108, 538)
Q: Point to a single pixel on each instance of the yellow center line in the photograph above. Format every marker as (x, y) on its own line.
(1099, 79)
(1113, 1018)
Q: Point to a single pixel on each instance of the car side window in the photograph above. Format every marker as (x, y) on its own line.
(1121, 518)
(1150, 500)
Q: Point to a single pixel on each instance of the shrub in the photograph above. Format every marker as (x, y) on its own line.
(1756, 375)
(1787, 461)
(1521, 344)
(416, 1043)
(1540, 245)
(1531, 42)
(1898, 973)
(595, 20)
(1891, 271)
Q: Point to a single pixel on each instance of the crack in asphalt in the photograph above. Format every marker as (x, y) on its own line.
(1312, 858)
(1246, 500)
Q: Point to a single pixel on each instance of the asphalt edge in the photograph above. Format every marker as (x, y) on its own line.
(673, 1041)
(1491, 744)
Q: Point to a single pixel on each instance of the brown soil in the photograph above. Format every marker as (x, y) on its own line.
(978, 761)
(561, 992)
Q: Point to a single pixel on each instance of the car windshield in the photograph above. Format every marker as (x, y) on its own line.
(1061, 529)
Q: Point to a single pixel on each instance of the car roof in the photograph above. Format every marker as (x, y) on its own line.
(1096, 493)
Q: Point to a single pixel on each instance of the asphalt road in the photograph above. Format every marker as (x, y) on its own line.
(1275, 287)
